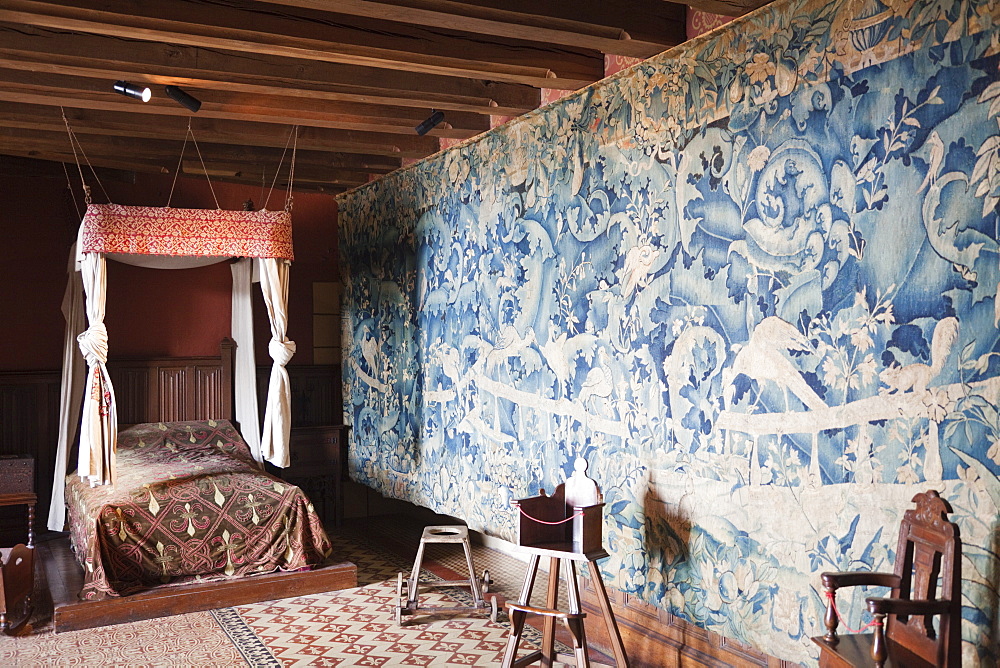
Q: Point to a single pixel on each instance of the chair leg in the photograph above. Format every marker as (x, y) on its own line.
(518, 617)
(477, 592)
(575, 624)
(879, 651)
(413, 585)
(617, 646)
(830, 618)
(579, 634)
(549, 625)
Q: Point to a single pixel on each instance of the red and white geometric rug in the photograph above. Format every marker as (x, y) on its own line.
(357, 627)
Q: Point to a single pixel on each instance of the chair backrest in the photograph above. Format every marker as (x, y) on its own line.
(929, 552)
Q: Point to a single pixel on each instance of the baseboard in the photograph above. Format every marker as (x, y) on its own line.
(655, 638)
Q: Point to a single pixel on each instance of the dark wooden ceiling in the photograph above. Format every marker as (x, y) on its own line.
(355, 76)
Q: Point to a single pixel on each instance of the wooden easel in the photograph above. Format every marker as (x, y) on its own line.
(565, 527)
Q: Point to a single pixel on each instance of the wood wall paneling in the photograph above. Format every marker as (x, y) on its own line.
(29, 408)
(655, 638)
(316, 393)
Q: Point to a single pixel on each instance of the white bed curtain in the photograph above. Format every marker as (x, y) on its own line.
(70, 390)
(99, 423)
(245, 373)
(278, 414)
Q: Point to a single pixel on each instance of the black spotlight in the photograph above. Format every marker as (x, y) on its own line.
(430, 123)
(138, 92)
(182, 98)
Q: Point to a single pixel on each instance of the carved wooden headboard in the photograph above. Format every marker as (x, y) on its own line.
(174, 388)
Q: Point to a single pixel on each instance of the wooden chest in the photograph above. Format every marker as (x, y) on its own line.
(17, 474)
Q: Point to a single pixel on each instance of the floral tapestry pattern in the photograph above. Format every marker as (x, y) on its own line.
(753, 281)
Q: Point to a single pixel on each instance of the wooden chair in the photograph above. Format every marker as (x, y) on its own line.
(929, 551)
(16, 584)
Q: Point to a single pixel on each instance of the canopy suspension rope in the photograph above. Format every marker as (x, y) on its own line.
(263, 183)
(74, 142)
(291, 170)
(180, 162)
(69, 187)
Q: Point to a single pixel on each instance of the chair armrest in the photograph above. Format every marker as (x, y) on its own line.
(899, 606)
(837, 580)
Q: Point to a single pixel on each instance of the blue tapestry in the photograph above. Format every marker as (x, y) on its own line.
(753, 281)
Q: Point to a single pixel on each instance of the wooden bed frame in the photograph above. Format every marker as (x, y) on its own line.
(160, 390)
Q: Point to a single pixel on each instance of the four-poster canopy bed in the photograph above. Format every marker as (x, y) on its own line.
(182, 501)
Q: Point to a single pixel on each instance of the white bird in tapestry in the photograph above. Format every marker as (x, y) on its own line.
(598, 381)
(370, 351)
(511, 344)
(935, 159)
(560, 353)
(638, 263)
(762, 358)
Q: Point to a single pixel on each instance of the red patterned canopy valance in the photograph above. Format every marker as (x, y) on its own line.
(145, 230)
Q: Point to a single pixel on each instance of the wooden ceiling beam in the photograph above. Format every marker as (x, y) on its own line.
(639, 30)
(119, 169)
(257, 111)
(371, 149)
(98, 56)
(101, 161)
(303, 174)
(48, 169)
(279, 33)
(221, 104)
(168, 153)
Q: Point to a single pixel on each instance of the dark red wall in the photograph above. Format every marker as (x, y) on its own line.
(149, 312)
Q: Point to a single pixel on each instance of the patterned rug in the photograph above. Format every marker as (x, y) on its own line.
(353, 627)
(357, 627)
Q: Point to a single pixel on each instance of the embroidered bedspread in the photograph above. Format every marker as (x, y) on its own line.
(189, 503)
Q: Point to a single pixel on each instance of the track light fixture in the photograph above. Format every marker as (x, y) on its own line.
(131, 90)
(183, 98)
(430, 122)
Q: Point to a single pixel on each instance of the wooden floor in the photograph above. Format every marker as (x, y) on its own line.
(65, 580)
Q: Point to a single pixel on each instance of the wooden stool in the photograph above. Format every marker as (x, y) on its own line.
(567, 527)
(477, 586)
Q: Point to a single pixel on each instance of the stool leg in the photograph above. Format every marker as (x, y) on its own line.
(413, 584)
(517, 617)
(477, 593)
(575, 624)
(621, 659)
(549, 625)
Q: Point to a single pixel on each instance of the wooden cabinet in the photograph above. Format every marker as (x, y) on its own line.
(318, 457)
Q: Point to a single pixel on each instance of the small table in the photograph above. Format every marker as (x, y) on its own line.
(23, 498)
